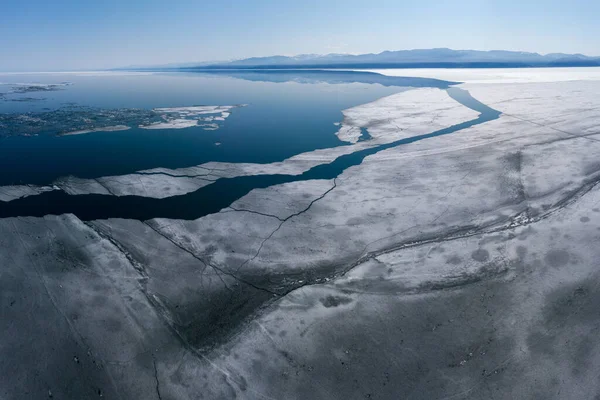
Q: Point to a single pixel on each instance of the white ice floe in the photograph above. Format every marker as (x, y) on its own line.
(151, 185)
(349, 134)
(187, 117)
(194, 110)
(177, 123)
(103, 129)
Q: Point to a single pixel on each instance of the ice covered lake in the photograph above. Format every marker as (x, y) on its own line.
(352, 235)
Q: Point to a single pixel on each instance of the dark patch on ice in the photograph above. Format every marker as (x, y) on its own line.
(364, 135)
(454, 260)
(513, 161)
(569, 328)
(557, 258)
(396, 348)
(591, 168)
(521, 251)
(480, 255)
(334, 301)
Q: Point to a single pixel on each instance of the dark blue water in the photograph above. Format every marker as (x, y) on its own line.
(288, 113)
(218, 195)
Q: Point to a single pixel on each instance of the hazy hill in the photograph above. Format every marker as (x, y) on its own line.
(410, 59)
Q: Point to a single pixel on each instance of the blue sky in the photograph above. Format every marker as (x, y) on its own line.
(43, 35)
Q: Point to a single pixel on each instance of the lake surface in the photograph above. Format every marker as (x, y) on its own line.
(285, 113)
(294, 113)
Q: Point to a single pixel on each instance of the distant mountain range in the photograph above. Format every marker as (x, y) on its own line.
(425, 58)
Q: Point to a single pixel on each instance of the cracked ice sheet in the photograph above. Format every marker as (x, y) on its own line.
(187, 289)
(282, 206)
(229, 239)
(80, 321)
(178, 258)
(221, 239)
(382, 202)
(438, 343)
(405, 194)
(148, 185)
(386, 201)
(155, 185)
(520, 334)
(77, 316)
(421, 190)
(72, 185)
